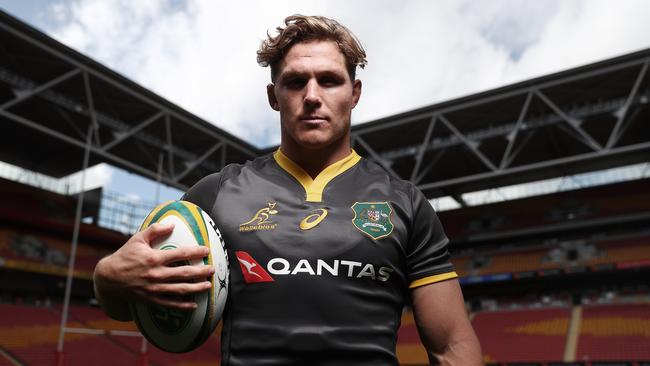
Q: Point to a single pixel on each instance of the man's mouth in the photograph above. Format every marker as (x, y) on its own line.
(313, 119)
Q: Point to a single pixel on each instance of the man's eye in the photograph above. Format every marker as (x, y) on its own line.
(329, 81)
(295, 83)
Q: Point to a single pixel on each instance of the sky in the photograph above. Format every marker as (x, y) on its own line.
(201, 54)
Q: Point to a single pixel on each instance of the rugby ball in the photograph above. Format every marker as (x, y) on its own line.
(184, 330)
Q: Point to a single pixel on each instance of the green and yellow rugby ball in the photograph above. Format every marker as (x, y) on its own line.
(179, 330)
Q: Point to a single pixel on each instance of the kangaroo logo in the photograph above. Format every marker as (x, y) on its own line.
(261, 220)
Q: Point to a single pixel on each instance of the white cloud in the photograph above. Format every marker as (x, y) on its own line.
(201, 54)
(97, 176)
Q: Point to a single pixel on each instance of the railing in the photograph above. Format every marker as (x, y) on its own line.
(123, 213)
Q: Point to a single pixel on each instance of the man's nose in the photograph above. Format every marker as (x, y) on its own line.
(312, 93)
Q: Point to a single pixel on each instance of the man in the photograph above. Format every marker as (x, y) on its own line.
(326, 247)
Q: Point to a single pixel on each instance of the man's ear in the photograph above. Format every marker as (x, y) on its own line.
(356, 92)
(270, 94)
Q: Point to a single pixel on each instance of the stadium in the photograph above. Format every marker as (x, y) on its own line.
(547, 214)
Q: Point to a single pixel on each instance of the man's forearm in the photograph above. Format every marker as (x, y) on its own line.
(115, 307)
(465, 352)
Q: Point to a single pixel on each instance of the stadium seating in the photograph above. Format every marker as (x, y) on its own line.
(590, 203)
(522, 335)
(31, 333)
(615, 332)
(623, 253)
(46, 253)
(19, 200)
(409, 348)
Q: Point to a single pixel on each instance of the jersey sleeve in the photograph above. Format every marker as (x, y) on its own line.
(427, 251)
(204, 192)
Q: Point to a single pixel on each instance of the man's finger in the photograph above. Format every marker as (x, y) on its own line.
(185, 273)
(182, 254)
(171, 303)
(157, 230)
(179, 289)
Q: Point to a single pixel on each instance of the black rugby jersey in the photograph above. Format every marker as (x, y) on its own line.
(320, 269)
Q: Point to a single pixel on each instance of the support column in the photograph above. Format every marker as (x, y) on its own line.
(572, 334)
(73, 251)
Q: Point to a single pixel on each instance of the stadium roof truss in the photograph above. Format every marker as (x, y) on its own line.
(592, 117)
(54, 102)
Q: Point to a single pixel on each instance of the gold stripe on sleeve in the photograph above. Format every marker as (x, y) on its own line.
(433, 279)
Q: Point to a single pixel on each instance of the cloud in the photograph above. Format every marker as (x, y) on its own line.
(97, 176)
(583, 32)
(201, 54)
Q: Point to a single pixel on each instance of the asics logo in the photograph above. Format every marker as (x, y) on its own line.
(314, 219)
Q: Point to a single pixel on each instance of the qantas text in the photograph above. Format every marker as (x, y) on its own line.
(281, 266)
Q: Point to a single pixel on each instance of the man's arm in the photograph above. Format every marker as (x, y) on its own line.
(443, 324)
(138, 273)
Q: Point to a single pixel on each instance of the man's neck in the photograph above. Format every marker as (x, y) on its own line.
(314, 161)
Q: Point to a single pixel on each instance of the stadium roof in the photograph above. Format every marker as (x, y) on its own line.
(587, 118)
(51, 96)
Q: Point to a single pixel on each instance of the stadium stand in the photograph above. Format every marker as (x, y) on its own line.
(615, 332)
(607, 201)
(516, 335)
(40, 253)
(622, 252)
(409, 348)
(30, 335)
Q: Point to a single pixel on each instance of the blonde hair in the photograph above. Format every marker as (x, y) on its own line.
(300, 28)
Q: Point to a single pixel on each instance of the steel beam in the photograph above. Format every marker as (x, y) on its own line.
(247, 151)
(79, 143)
(374, 155)
(429, 166)
(505, 128)
(91, 108)
(615, 135)
(636, 148)
(470, 144)
(484, 99)
(76, 107)
(132, 131)
(223, 157)
(423, 147)
(512, 136)
(198, 161)
(573, 122)
(40, 88)
(69, 121)
(75, 241)
(519, 148)
(169, 147)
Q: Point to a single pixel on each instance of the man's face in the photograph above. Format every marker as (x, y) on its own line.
(314, 95)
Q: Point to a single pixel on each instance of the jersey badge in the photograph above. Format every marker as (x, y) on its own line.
(373, 218)
(261, 220)
(313, 219)
(252, 270)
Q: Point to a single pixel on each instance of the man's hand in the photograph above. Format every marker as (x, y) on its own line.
(136, 272)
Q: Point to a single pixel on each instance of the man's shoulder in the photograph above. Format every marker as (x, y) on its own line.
(208, 187)
(234, 169)
(377, 173)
